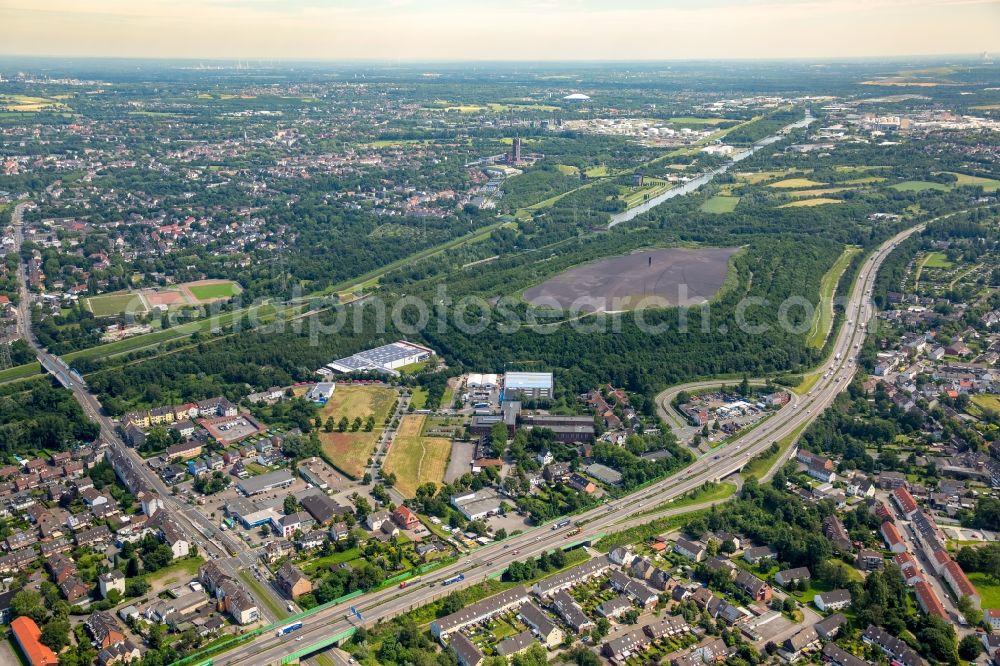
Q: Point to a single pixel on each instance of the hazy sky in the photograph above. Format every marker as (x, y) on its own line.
(499, 29)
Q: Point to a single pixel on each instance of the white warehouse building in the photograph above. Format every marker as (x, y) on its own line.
(527, 385)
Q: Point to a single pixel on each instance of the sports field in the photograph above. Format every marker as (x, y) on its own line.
(720, 204)
(416, 460)
(108, 305)
(212, 290)
(350, 451)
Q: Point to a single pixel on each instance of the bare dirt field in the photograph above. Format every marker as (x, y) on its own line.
(651, 278)
(167, 298)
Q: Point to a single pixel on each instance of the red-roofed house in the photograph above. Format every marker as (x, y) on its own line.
(27, 633)
(406, 519)
(928, 600)
(960, 583)
(904, 500)
(893, 539)
(908, 566)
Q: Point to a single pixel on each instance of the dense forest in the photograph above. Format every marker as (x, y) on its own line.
(42, 418)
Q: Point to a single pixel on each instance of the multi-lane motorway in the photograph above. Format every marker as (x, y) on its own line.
(612, 516)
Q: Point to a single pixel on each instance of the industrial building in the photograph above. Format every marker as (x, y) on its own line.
(256, 485)
(387, 358)
(527, 385)
(321, 392)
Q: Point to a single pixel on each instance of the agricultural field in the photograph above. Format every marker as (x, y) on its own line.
(919, 186)
(350, 451)
(818, 201)
(720, 204)
(791, 183)
(109, 305)
(757, 177)
(25, 104)
(818, 192)
(415, 459)
(988, 184)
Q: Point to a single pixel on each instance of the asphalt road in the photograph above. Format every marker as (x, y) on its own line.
(232, 554)
(612, 516)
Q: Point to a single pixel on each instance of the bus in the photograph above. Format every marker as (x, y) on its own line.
(288, 628)
(454, 579)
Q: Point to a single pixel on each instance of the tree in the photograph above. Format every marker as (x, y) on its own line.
(969, 610)
(533, 656)
(356, 424)
(29, 603)
(328, 426)
(969, 647)
(55, 634)
(342, 424)
(291, 505)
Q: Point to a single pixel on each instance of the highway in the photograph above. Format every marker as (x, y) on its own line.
(231, 554)
(610, 517)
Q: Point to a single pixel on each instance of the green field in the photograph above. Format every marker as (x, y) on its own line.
(650, 188)
(919, 186)
(207, 292)
(176, 572)
(761, 465)
(265, 314)
(262, 593)
(988, 589)
(937, 260)
(108, 305)
(20, 372)
(987, 401)
(720, 204)
(988, 184)
(416, 460)
(713, 492)
(823, 316)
